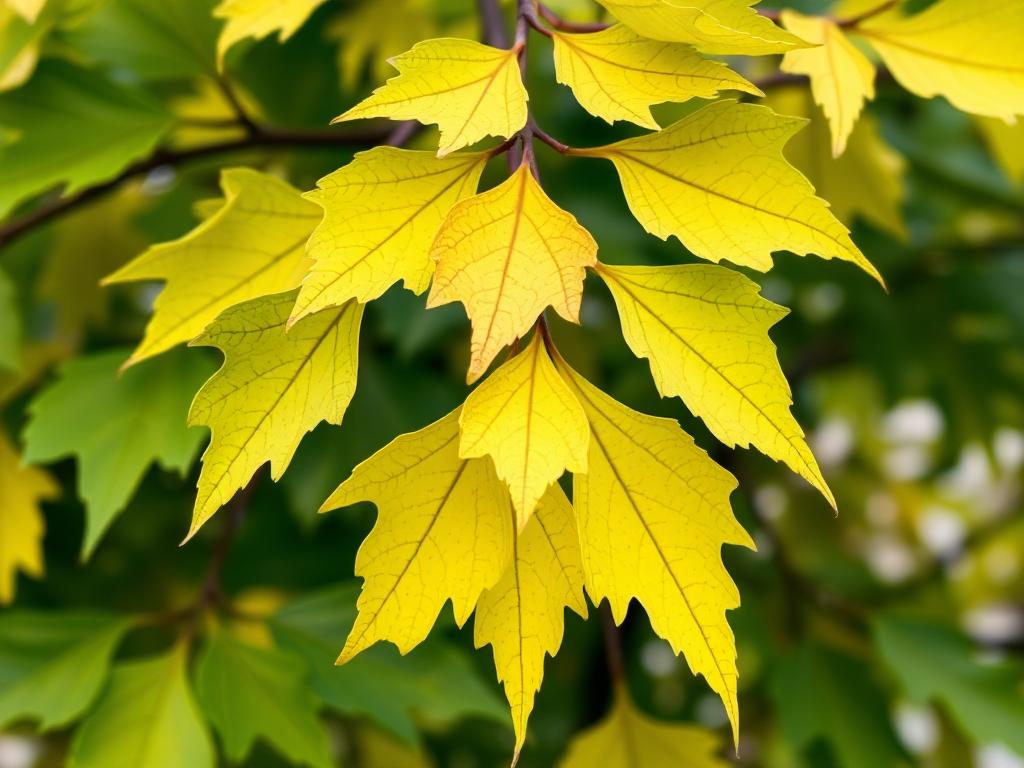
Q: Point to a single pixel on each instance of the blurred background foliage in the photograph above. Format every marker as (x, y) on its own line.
(891, 635)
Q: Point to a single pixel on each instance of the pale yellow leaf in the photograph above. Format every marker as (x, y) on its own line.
(653, 513)
(713, 26)
(1006, 142)
(254, 245)
(21, 520)
(842, 78)
(272, 389)
(704, 330)
(259, 18)
(368, 34)
(508, 254)
(617, 75)
(381, 214)
(444, 531)
(27, 9)
(468, 89)
(867, 180)
(717, 180)
(528, 421)
(523, 616)
(966, 50)
(627, 738)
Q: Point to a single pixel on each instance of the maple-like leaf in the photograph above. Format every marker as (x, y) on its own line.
(866, 180)
(523, 616)
(842, 78)
(717, 180)
(649, 485)
(704, 330)
(254, 245)
(259, 18)
(21, 520)
(272, 389)
(508, 254)
(381, 214)
(147, 711)
(444, 531)
(529, 422)
(617, 75)
(627, 738)
(969, 52)
(713, 26)
(116, 426)
(468, 89)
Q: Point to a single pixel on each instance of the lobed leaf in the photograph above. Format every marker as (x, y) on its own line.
(507, 255)
(468, 89)
(522, 615)
(259, 18)
(272, 389)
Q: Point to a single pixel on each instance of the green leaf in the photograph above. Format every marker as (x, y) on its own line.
(155, 41)
(73, 126)
(249, 692)
(52, 665)
(824, 695)
(10, 327)
(934, 661)
(146, 718)
(117, 424)
(435, 681)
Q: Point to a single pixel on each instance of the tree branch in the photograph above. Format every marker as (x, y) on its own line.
(263, 137)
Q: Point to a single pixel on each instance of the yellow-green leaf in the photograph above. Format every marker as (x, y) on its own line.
(21, 520)
(529, 422)
(704, 330)
(1006, 143)
(867, 180)
(627, 738)
(523, 616)
(468, 89)
(508, 254)
(717, 180)
(27, 9)
(969, 52)
(713, 26)
(381, 214)
(259, 18)
(617, 75)
(254, 245)
(842, 78)
(272, 389)
(649, 485)
(444, 531)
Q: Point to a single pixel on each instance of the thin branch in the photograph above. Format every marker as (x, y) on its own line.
(613, 645)
(495, 32)
(263, 138)
(563, 25)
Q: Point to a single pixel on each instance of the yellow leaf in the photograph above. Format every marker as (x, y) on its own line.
(713, 26)
(381, 214)
(259, 18)
(969, 52)
(27, 9)
(717, 180)
(529, 422)
(254, 245)
(842, 78)
(627, 738)
(704, 330)
(21, 521)
(444, 530)
(617, 75)
(649, 485)
(272, 389)
(507, 254)
(468, 89)
(523, 615)
(867, 180)
(368, 34)
(1006, 142)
